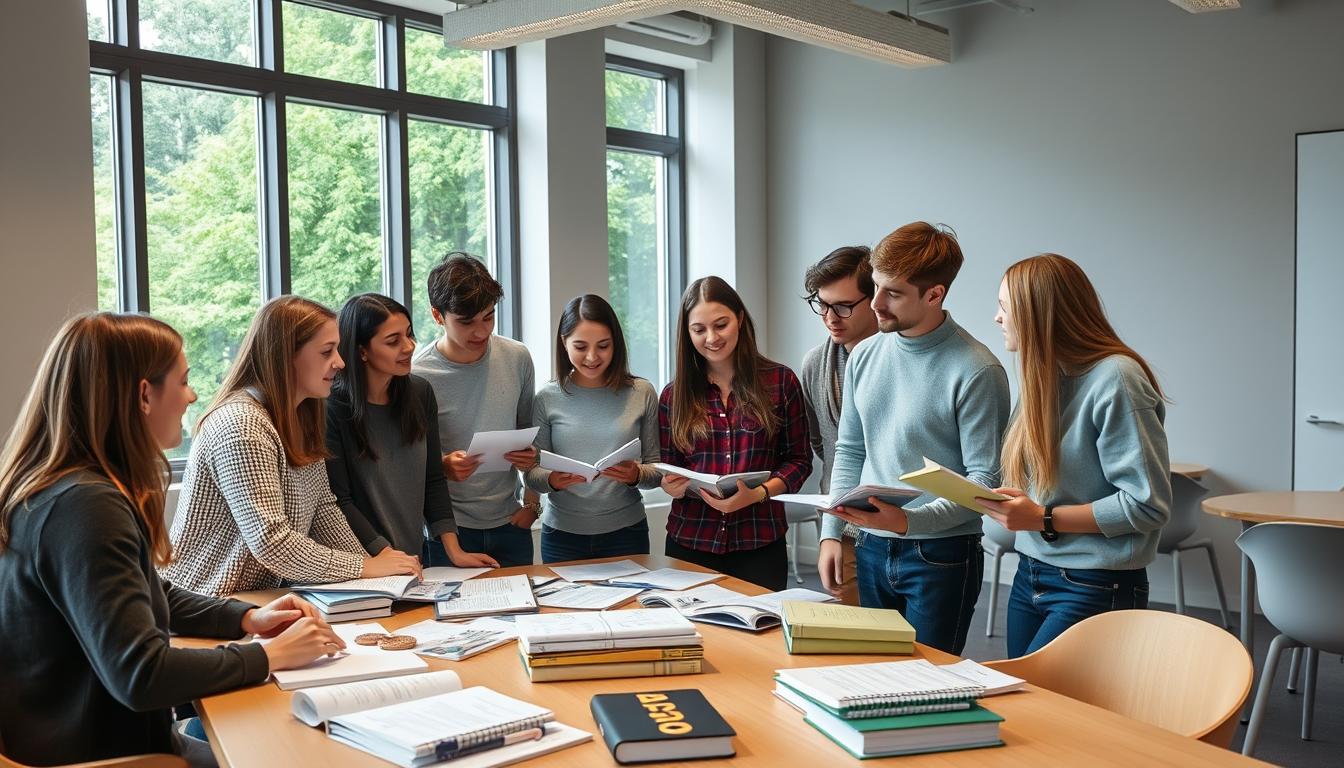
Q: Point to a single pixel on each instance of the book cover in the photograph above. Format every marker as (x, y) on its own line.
(618, 669)
(614, 656)
(845, 622)
(803, 645)
(944, 483)
(661, 726)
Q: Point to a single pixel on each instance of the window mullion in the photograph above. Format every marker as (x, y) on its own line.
(504, 194)
(129, 137)
(124, 26)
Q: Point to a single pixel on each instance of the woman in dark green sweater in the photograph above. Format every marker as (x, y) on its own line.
(88, 670)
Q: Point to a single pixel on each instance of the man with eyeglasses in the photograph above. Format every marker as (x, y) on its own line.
(840, 290)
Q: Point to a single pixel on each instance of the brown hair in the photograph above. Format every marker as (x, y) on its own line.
(595, 309)
(1060, 325)
(692, 380)
(921, 254)
(461, 285)
(83, 413)
(837, 265)
(265, 362)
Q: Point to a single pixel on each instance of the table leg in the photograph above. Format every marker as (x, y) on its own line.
(1247, 615)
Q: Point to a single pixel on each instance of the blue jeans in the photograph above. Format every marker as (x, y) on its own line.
(558, 545)
(508, 544)
(1046, 600)
(934, 583)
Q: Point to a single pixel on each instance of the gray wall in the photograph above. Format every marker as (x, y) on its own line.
(46, 185)
(1153, 146)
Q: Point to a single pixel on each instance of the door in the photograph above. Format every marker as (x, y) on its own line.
(1318, 411)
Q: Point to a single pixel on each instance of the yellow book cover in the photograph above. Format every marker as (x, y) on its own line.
(946, 484)
(845, 622)
(618, 655)
(798, 645)
(619, 669)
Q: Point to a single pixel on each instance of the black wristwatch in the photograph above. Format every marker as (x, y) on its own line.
(1048, 531)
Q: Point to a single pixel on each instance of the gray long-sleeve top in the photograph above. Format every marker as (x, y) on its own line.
(88, 671)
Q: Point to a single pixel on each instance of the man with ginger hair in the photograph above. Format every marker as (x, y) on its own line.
(921, 387)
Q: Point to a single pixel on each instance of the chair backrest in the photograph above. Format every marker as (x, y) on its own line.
(133, 761)
(1299, 571)
(1173, 671)
(1185, 512)
(999, 536)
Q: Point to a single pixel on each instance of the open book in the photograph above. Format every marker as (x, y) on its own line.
(631, 451)
(446, 722)
(356, 662)
(714, 604)
(855, 499)
(488, 597)
(556, 632)
(587, 597)
(718, 486)
(672, 579)
(437, 584)
(944, 483)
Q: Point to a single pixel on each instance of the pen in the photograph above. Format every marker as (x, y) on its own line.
(530, 734)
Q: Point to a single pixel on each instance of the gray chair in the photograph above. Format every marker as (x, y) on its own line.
(998, 541)
(1300, 577)
(796, 514)
(1175, 539)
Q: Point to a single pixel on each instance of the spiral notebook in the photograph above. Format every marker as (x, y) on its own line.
(882, 689)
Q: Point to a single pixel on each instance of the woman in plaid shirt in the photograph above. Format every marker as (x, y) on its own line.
(730, 410)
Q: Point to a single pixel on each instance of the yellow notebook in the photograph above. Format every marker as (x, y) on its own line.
(944, 483)
(845, 622)
(797, 645)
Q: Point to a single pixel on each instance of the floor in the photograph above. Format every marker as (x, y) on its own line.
(1279, 737)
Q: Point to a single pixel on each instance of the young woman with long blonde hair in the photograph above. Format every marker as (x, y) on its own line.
(256, 509)
(88, 671)
(1084, 459)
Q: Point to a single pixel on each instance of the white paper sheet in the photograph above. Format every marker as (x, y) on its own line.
(672, 579)
(598, 571)
(313, 706)
(454, 642)
(588, 597)
(357, 662)
(491, 447)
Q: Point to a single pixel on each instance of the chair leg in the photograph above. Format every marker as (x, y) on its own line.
(792, 540)
(1218, 584)
(1180, 582)
(1294, 667)
(1309, 690)
(994, 592)
(1262, 693)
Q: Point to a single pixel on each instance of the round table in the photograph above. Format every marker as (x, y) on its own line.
(1320, 507)
(1195, 472)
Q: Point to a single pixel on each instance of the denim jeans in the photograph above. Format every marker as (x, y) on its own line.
(934, 583)
(1046, 600)
(508, 544)
(558, 545)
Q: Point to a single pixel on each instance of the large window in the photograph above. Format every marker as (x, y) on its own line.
(646, 262)
(244, 149)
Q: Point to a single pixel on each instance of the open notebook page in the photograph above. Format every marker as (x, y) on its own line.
(314, 706)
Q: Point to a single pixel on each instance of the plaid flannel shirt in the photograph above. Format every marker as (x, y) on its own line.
(737, 443)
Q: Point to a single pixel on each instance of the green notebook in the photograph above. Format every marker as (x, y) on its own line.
(845, 622)
(826, 645)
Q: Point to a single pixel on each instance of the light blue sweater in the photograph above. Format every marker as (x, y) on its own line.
(1112, 453)
(943, 395)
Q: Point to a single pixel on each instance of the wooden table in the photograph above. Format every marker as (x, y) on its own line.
(252, 728)
(1320, 507)
(1195, 472)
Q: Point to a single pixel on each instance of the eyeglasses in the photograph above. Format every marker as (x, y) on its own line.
(841, 310)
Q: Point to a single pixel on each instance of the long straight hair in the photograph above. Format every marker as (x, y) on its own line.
(265, 363)
(83, 413)
(689, 388)
(1060, 326)
(595, 309)
(360, 319)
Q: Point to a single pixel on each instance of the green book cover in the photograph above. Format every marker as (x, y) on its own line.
(901, 752)
(976, 714)
(845, 622)
(826, 645)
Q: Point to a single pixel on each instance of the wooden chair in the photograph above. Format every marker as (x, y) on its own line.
(1175, 672)
(133, 761)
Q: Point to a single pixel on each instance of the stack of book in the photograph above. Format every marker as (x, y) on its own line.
(589, 646)
(349, 606)
(891, 708)
(372, 598)
(830, 628)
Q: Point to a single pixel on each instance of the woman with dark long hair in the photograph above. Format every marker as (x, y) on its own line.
(386, 465)
(730, 410)
(1084, 459)
(593, 407)
(256, 509)
(89, 672)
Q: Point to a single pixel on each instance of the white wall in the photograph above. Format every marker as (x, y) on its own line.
(1153, 146)
(46, 186)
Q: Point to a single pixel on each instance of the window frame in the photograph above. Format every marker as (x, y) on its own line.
(130, 66)
(670, 146)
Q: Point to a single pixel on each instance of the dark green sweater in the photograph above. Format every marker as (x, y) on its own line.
(87, 670)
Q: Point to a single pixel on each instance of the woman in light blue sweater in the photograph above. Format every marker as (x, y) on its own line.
(1087, 444)
(593, 407)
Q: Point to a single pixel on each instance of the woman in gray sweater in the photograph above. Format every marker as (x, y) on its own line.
(88, 671)
(593, 407)
(385, 465)
(1084, 459)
